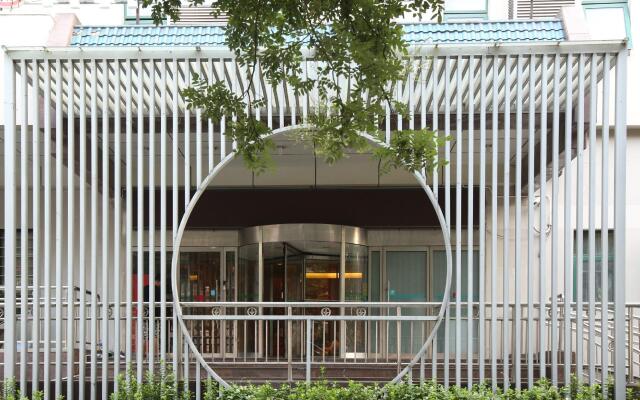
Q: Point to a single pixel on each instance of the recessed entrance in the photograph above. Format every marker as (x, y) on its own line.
(303, 262)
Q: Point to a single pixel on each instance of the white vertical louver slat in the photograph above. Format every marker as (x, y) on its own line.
(531, 9)
(200, 16)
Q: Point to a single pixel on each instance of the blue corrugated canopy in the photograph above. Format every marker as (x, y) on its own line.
(415, 33)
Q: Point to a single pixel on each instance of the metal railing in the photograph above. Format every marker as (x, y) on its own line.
(386, 336)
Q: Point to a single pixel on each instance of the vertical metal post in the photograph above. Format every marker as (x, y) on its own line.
(117, 234)
(435, 103)
(505, 227)
(151, 340)
(289, 346)
(9, 217)
(94, 230)
(591, 261)
(198, 131)
(58, 229)
(579, 224)
(174, 197)
(447, 196)
(531, 217)
(481, 217)
(163, 210)
(128, 220)
(47, 229)
(82, 257)
(555, 220)
(140, 227)
(24, 239)
(104, 295)
(568, 127)
(399, 339)
(210, 137)
(517, 328)
(542, 314)
(187, 139)
(309, 352)
(604, 215)
(458, 257)
(35, 326)
(470, 228)
(620, 166)
(494, 224)
(71, 221)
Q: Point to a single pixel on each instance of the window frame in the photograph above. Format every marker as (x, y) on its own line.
(131, 19)
(597, 259)
(467, 15)
(601, 4)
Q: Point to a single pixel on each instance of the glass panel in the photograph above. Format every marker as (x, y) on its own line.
(322, 278)
(248, 273)
(201, 280)
(407, 276)
(274, 282)
(356, 279)
(406, 282)
(598, 263)
(438, 281)
(374, 295)
(295, 281)
(200, 276)
(230, 278)
(375, 276)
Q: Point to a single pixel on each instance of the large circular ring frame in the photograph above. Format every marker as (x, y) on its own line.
(202, 186)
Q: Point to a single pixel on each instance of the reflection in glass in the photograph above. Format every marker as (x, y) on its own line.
(407, 282)
(200, 276)
(248, 273)
(322, 281)
(356, 279)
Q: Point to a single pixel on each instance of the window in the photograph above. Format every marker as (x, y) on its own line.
(467, 10)
(130, 15)
(18, 261)
(608, 19)
(599, 261)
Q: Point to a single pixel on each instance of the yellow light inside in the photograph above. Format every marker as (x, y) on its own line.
(333, 275)
(321, 275)
(193, 277)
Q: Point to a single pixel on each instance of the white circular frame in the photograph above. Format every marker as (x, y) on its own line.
(202, 186)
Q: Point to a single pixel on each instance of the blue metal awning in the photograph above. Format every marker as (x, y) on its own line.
(415, 34)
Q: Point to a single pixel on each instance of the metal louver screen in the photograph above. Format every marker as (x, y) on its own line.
(540, 8)
(200, 16)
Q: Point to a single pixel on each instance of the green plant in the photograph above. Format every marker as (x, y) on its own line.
(360, 55)
(11, 392)
(160, 385)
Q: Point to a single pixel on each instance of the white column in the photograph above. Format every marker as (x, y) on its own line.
(620, 221)
(10, 216)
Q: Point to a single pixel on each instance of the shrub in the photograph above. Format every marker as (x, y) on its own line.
(162, 385)
(11, 392)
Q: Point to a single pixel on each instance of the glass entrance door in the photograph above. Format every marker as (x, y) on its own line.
(210, 276)
(406, 274)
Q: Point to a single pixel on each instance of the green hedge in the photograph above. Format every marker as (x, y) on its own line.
(163, 386)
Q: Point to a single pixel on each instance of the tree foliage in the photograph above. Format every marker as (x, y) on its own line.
(361, 54)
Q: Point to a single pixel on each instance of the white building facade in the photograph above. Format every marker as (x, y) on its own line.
(148, 242)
